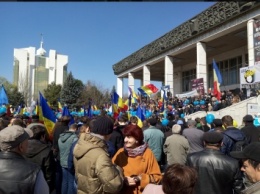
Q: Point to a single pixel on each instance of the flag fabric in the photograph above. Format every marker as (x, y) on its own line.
(217, 80)
(59, 106)
(120, 103)
(133, 94)
(148, 89)
(140, 116)
(3, 96)
(48, 115)
(66, 112)
(115, 99)
(38, 111)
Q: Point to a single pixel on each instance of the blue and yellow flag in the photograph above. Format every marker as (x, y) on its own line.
(49, 118)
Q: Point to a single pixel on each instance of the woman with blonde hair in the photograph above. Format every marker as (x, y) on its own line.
(137, 161)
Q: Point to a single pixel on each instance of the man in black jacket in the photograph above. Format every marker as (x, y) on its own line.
(252, 132)
(16, 174)
(217, 172)
(40, 152)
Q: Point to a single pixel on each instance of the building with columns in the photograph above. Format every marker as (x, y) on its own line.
(224, 32)
(33, 71)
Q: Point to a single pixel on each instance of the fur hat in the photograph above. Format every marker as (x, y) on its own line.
(103, 125)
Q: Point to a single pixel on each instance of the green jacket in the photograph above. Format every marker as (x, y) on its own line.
(94, 170)
(65, 141)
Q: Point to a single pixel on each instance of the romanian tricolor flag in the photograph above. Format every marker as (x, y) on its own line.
(217, 78)
(48, 115)
(115, 99)
(148, 89)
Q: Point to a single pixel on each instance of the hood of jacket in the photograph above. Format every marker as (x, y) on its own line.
(66, 135)
(35, 147)
(88, 142)
(235, 134)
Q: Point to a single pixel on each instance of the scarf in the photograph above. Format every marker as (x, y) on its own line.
(133, 152)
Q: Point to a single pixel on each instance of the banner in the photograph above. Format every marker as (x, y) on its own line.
(187, 94)
(257, 41)
(249, 76)
(198, 84)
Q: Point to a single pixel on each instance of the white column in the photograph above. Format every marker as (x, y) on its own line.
(202, 64)
(146, 75)
(168, 72)
(250, 42)
(131, 81)
(120, 86)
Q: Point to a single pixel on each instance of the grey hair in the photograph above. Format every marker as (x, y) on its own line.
(191, 123)
(176, 128)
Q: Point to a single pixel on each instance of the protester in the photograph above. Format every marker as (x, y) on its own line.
(95, 172)
(194, 137)
(67, 138)
(250, 157)
(138, 162)
(252, 132)
(217, 173)
(217, 126)
(231, 135)
(35, 121)
(18, 175)
(177, 179)
(154, 137)
(40, 152)
(176, 147)
(60, 126)
(117, 138)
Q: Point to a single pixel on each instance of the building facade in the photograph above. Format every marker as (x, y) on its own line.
(33, 70)
(224, 32)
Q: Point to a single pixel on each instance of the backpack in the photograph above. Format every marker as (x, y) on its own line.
(239, 145)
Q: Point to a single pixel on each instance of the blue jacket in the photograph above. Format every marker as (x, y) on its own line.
(65, 141)
(229, 134)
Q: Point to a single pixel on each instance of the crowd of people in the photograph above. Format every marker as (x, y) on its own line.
(102, 154)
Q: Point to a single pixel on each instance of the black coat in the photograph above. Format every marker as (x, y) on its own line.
(16, 174)
(41, 154)
(117, 137)
(217, 173)
(252, 132)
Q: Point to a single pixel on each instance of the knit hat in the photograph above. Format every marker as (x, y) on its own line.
(212, 137)
(252, 151)
(11, 137)
(103, 125)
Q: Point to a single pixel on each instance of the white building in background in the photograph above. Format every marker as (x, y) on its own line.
(33, 70)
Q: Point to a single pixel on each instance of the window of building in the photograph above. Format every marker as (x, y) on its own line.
(229, 70)
(187, 76)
